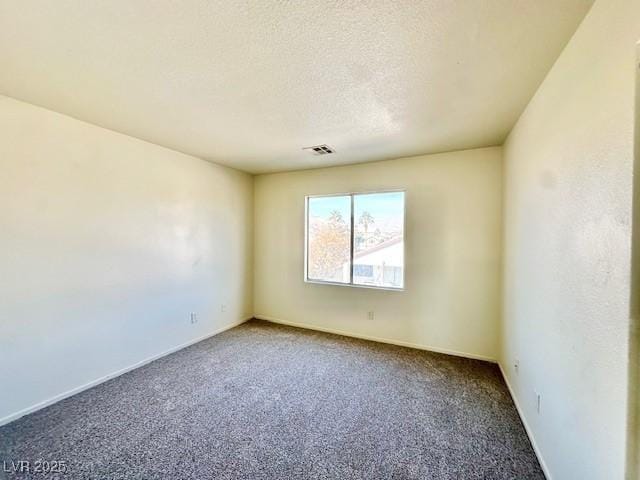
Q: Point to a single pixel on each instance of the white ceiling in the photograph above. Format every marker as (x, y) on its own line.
(248, 84)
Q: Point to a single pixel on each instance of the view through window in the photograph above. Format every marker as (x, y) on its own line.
(356, 239)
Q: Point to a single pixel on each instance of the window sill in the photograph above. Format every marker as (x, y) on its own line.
(353, 285)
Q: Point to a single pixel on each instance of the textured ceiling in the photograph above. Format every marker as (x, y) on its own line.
(248, 84)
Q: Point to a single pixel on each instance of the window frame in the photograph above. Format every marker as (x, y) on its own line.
(351, 195)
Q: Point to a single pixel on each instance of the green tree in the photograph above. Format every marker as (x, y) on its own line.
(365, 220)
(335, 217)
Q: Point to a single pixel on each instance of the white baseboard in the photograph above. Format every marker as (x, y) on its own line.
(537, 451)
(38, 406)
(377, 339)
(25, 411)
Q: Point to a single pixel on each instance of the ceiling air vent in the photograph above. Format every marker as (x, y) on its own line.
(320, 149)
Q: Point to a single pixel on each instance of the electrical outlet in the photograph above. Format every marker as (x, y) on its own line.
(194, 318)
(516, 366)
(538, 401)
(223, 308)
(370, 315)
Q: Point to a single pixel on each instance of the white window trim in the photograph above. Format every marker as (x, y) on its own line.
(351, 284)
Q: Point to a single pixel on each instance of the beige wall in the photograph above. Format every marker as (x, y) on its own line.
(633, 448)
(568, 179)
(453, 234)
(108, 244)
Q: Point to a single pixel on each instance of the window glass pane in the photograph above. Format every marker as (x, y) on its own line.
(329, 237)
(378, 240)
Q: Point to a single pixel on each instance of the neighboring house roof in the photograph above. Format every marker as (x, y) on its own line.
(390, 252)
(380, 246)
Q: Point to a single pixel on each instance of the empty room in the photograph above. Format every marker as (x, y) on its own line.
(315, 239)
